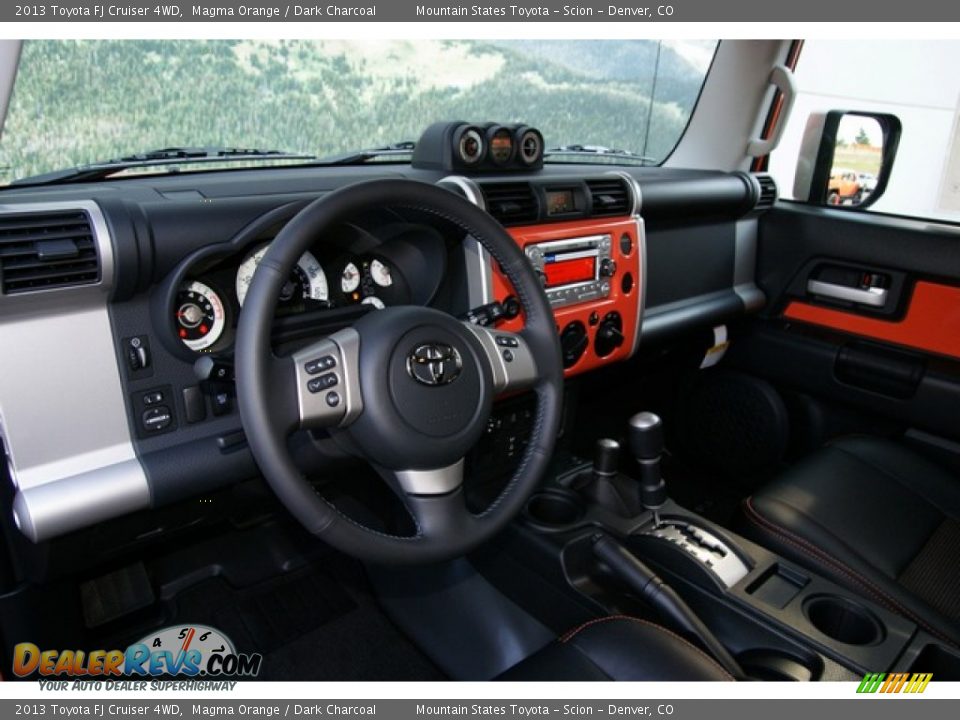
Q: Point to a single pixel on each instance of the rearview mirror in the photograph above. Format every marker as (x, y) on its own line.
(846, 158)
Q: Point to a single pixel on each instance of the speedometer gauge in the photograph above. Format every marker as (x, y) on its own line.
(307, 281)
(199, 316)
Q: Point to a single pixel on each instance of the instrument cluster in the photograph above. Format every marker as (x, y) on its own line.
(207, 306)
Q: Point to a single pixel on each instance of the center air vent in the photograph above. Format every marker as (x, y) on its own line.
(511, 203)
(47, 250)
(768, 192)
(609, 196)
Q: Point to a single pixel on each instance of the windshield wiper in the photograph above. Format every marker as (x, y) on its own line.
(357, 157)
(156, 158)
(599, 151)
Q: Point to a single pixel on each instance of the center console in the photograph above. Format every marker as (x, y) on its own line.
(778, 620)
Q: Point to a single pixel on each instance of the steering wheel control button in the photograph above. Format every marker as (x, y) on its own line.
(507, 341)
(327, 362)
(324, 382)
(333, 399)
(507, 356)
(156, 419)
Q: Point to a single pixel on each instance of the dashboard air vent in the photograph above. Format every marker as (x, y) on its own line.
(768, 192)
(609, 196)
(47, 250)
(511, 203)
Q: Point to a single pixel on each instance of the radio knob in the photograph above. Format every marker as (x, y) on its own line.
(608, 268)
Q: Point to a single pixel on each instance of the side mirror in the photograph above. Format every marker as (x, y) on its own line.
(846, 158)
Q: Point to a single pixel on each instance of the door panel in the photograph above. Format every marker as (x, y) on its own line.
(862, 323)
(931, 322)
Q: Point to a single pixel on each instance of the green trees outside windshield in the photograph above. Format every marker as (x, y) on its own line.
(76, 102)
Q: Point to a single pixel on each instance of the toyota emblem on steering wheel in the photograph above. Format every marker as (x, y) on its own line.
(434, 364)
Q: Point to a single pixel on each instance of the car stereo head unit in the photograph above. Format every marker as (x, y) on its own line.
(573, 270)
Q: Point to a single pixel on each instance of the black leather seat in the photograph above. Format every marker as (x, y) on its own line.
(875, 517)
(618, 648)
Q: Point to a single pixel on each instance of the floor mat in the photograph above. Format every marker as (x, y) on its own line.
(309, 625)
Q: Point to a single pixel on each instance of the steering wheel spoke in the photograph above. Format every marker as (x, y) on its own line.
(435, 499)
(511, 360)
(328, 383)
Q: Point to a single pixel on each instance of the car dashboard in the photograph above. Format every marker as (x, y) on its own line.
(120, 302)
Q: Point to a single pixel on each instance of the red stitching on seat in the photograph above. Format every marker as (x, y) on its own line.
(566, 637)
(808, 548)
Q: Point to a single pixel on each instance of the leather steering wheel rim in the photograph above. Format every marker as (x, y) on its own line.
(268, 400)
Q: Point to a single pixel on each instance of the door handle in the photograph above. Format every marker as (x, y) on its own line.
(871, 296)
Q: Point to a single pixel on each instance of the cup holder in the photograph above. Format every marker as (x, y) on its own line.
(843, 620)
(553, 509)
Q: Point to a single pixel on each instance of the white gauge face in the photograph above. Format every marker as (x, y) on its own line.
(200, 318)
(308, 274)
(381, 274)
(350, 279)
(375, 301)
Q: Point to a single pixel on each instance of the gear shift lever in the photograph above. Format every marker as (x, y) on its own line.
(645, 435)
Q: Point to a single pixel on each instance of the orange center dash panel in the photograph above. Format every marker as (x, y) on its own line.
(591, 272)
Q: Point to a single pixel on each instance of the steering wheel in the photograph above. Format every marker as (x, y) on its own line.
(411, 388)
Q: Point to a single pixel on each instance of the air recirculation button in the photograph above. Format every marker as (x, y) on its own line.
(573, 343)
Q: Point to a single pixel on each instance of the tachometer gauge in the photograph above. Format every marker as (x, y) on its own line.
(306, 281)
(373, 300)
(199, 318)
(350, 278)
(381, 274)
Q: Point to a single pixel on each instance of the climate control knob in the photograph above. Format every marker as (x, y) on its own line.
(609, 334)
(573, 343)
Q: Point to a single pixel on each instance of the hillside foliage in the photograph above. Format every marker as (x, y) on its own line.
(77, 102)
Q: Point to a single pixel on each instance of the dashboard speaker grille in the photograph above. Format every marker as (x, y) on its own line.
(41, 251)
(511, 203)
(609, 196)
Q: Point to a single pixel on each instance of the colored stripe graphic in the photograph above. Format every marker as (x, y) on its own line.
(894, 683)
(871, 682)
(919, 682)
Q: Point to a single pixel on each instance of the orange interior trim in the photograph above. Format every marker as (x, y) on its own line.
(625, 303)
(932, 322)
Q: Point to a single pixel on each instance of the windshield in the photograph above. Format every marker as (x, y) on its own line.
(79, 102)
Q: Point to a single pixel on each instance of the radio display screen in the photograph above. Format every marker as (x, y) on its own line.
(568, 271)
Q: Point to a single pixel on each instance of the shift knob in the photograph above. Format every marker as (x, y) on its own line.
(645, 434)
(606, 457)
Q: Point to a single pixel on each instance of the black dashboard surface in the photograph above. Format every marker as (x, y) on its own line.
(170, 231)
